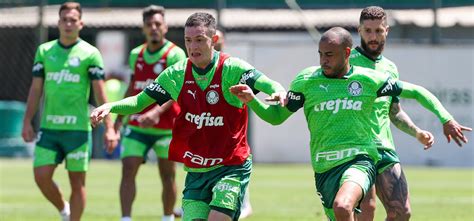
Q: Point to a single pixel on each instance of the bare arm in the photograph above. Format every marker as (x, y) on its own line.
(34, 96)
(404, 123)
(401, 120)
(110, 135)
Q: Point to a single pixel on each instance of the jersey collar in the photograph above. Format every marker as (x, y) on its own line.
(362, 52)
(159, 49)
(349, 73)
(204, 71)
(346, 76)
(69, 46)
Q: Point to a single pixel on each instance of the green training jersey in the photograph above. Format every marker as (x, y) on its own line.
(380, 116)
(338, 112)
(67, 74)
(174, 55)
(234, 71)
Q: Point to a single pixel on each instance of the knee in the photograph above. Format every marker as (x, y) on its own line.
(77, 185)
(168, 178)
(368, 206)
(129, 172)
(41, 179)
(405, 213)
(342, 208)
(401, 213)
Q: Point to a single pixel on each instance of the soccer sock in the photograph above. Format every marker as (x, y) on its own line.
(167, 218)
(178, 211)
(126, 218)
(66, 210)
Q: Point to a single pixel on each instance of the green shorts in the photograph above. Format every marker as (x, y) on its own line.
(137, 144)
(55, 145)
(387, 159)
(361, 170)
(221, 189)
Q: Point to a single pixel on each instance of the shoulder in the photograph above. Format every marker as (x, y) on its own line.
(175, 54)
(305, 75)
(390, 66)
(369, 75)
(134, 55)
(354, 54)
(234, 68)
(136, 50)
(359, 71)
(237, 63)
(176, 50)
(178, 67)
(47, 45)
(359, 59)
(357, 56)
(87, 48)
(174, 74)
(389, 62)
(309, 73)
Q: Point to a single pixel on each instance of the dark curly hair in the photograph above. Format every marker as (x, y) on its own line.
(152, 10)
(372, 13)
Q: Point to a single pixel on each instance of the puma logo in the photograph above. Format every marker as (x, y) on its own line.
(324, 87)
(192, 93)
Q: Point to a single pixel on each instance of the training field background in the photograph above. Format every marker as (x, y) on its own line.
(432, 43)
(278, 192)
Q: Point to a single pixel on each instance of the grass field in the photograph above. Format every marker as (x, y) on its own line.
(278, 192)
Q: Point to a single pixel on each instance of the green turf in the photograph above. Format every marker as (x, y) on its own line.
(278, 192)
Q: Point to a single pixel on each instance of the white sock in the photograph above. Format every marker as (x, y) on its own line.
(178, 211)
(126, 218)
(66, 210)
(167, 218)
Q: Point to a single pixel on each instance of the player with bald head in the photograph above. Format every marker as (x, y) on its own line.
(338, 35)
(337, 99)
(335, 40)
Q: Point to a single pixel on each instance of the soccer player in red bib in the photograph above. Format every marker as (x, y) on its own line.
(210, 133)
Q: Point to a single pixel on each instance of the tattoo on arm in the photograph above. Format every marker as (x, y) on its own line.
(401, 120)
